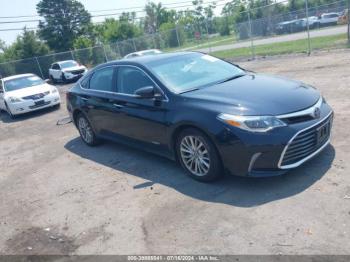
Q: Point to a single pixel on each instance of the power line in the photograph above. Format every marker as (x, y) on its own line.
(118, 9)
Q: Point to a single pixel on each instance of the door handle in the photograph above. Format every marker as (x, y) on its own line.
(119, 106)
(84, 99)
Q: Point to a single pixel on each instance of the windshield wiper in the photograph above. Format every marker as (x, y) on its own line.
(230, 78)
(189, 90)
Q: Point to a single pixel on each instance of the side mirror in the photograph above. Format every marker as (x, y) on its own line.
(145, 92)
(47, 80)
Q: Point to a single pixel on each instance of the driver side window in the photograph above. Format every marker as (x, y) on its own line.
(130, 79)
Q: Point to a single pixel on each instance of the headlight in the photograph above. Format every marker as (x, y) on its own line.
(252, 123)
(14, 99)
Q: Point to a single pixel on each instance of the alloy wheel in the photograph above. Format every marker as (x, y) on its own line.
(194, 155)
(85, 130)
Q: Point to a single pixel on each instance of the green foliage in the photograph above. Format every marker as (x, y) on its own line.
(64, 21)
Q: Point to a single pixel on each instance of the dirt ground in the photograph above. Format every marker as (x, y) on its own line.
(58, 196)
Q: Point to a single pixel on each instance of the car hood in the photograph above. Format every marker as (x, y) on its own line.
(28, 91)
(255, 94)
(69, 69)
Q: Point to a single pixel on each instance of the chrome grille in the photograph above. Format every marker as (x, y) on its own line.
(307, 142)
(36, 96)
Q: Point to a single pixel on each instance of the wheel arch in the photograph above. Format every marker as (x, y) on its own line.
(178, 129)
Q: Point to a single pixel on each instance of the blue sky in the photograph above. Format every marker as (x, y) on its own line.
(28, 7)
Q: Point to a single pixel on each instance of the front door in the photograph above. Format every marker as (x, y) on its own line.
(141, 119)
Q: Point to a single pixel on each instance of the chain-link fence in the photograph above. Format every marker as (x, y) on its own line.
(220, 36)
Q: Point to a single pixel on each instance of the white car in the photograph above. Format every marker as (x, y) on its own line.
(24, 93)
(64, 71)
(328, 19)
(143, 53)
(313, 22)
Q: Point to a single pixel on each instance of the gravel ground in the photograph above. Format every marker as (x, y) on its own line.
(59, 196)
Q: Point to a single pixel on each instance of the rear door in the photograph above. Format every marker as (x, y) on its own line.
(97, 99)
(55, 71)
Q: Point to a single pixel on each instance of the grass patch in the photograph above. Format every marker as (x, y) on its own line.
(297, 46)
(204, 43)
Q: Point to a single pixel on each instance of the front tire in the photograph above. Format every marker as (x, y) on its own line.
(86, 132)
(198, 155)
(64, 79)
(12, 116)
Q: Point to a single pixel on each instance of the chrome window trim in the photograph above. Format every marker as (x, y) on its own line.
(307, 157)
(165, 98)
(308, 111)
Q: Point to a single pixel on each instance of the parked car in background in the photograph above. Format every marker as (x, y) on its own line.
(27, 92)
(143, 53)
(328, 19)
(289, 27)
(313, 22)
(210, 115)
(65, 71)
(343, 18)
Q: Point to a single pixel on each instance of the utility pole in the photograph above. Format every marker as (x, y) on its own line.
(307, 27)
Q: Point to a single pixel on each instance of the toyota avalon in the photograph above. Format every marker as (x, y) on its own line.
(208, 114)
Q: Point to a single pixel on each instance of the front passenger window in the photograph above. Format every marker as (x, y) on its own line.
(130, 79)
(102, 80)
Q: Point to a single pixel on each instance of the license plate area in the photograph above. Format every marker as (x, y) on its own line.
(39, 103)
(323, 132)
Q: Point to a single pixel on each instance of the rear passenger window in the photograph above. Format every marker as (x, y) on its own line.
(85, 82)
(102, 80)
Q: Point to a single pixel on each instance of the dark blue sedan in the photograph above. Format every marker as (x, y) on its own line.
(210, 115)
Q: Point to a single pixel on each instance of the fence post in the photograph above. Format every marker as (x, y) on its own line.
(251, 36)
(307, 27)
(71, 53)
(154, 41)
(348, 16)
(104, 51)
(41, 72)
(206, 26)
(120, 54)
(133, 42)
(177, 36)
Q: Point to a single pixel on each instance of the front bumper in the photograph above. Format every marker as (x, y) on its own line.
(72, 76)
(262, 154)
(33, 105)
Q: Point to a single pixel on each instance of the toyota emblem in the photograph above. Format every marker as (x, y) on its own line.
(317, 113)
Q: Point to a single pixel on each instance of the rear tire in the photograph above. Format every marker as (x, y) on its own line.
(198, 155)
(53, 81)
(86, 132)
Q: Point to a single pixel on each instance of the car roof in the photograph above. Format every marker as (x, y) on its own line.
(144, 60)
(16, 76)
(61, 62)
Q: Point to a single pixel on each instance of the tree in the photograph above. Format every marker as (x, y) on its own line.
(28, 45)
(156, 15)
(65, 20)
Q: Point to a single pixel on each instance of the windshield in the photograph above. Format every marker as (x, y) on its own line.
(191, 71)
(22, 82)
(68, 64)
